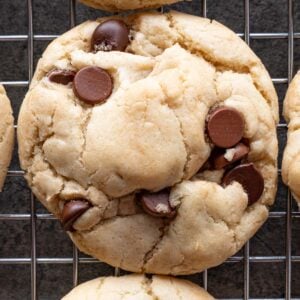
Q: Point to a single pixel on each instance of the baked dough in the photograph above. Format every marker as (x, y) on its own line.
(150, 135)
(6, 134)
(118, 5)
(291, 157)
(138, 287)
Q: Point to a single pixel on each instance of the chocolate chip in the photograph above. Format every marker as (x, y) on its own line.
(157, 204)
(239, 152)
(250, 178)
(110, 35)
(225, 127)
(61, 76)
(92, 85)
(72, 211)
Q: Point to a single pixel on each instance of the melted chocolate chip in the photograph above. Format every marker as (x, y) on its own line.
(157, 204)
(92, 85)
(72, 211)
(250, 179)
(225, 127)
(61, 76)
(110, 35)
(220, 160)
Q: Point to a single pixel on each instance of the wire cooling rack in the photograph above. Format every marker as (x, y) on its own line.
(244, 256)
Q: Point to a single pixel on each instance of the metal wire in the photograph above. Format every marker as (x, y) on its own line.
(32, 201)
(75, 260)
(252, 35)
(247, 246)
(205, 273)
(288, 281)
(72, 6)
(26, 83)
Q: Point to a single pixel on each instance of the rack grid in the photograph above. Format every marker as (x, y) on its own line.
(244, 257)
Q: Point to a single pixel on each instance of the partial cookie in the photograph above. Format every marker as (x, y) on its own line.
(6, 134)
(118, 5)
(159, 156)
(291, 157)
(137, 287)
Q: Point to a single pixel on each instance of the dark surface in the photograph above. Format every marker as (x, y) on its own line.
(267, 280)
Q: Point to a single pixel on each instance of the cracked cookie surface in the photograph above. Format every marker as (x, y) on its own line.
(119, 5)
(6, 134)
(150, 134)
(136, 287)
(291, 157)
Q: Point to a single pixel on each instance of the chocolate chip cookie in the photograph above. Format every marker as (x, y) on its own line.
(153, 139)
(6, 134)
(118, 5)
(138, 287)
(291, 157)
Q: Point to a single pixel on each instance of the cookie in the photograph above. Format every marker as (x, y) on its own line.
(291, 157)
(6, 134)
(118, 5)
(138, 287)
(160, 156)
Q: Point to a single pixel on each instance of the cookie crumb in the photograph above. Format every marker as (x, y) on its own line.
(162, 208)
(229, 154)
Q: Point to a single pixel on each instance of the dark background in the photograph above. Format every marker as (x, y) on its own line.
(266, 280)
